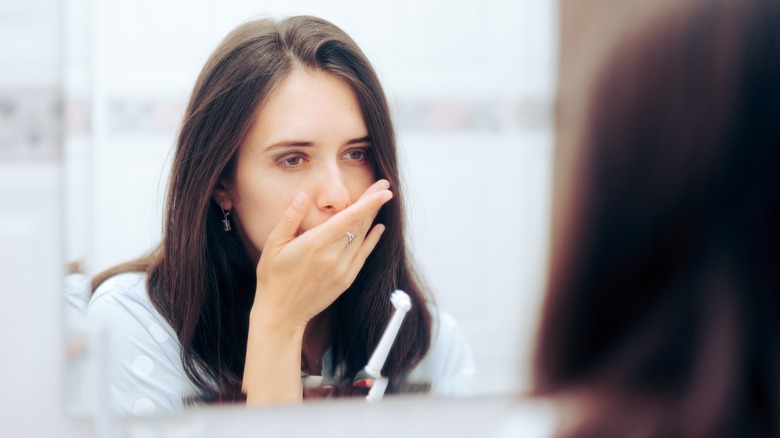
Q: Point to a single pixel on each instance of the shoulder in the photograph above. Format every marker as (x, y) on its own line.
(122, 304)
(128, 285)
(449, 365)
(122, 299)
(145, 372)
(444, 324)
(447, 339)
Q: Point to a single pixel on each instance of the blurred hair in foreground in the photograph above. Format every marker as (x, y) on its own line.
(662, 314)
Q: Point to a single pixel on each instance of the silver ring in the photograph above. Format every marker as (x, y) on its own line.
(351, 237)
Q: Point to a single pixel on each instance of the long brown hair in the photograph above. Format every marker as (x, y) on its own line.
(200, 277)
(663, 299)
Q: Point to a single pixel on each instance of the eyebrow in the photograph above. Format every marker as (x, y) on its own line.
(301, 143)
(365, 139)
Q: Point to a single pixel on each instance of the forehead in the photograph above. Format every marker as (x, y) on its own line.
(309, 105)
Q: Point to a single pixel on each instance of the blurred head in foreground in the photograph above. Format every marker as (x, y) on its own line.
(662, 314)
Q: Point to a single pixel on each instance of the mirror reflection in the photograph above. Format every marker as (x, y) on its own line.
(244, 231)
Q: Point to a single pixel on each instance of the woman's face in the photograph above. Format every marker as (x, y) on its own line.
(309, 137)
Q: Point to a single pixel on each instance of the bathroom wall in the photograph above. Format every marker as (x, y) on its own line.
(90, 95)
(470, 85)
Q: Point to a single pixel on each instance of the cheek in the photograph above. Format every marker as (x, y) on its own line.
(259, 220)
(259, 206)
(360, 182)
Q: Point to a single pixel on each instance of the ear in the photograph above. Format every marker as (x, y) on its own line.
(222, 195)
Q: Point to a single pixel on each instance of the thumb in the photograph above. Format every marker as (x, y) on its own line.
(291, 219)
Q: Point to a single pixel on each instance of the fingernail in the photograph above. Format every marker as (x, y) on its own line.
(387, 196)
(299, 198)
(385, 184)
(364, 383)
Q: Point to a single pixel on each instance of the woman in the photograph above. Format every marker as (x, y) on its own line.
(662, 315)
(281, 243)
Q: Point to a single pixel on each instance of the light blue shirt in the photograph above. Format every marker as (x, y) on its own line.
(146, 375)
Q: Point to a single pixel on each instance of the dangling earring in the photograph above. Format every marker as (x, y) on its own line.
(225, 220)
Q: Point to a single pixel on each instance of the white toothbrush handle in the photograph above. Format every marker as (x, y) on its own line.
(379, 356)
(377, 390)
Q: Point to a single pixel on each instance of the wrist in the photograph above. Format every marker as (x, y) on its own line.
(263, 321)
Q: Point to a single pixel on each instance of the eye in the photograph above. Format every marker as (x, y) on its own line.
(291, 161)
(356, 155)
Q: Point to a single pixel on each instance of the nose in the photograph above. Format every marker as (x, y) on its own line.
(332, 193)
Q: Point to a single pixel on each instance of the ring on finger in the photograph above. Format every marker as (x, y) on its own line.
(351, 237)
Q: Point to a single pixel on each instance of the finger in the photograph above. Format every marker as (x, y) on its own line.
(364, 383)
(318, 392)
(358, 220)
(372, 239)
(290, 222)
(355, 219)
(382, 184)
